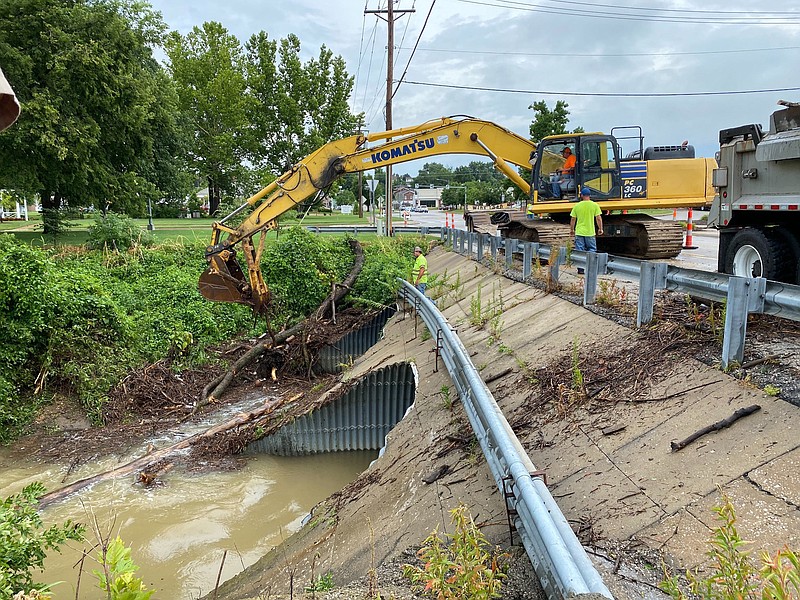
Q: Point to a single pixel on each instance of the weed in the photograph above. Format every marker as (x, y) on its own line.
(447, 400)
(495, 320)
(117, 575)
(464, 568)
(772, 390)
(503, 349)
(482, 366)
(733, 574)
(323, 583)
(426, 335)
(475, 308)
(609, 294)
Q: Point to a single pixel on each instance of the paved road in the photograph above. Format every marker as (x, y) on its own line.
(703, 257)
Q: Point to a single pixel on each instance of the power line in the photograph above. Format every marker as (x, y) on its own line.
(651, 9)
(629, 17)
(603, 95)
(572, 55)
(419, 37)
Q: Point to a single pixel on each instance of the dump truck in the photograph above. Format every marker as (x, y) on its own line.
(757, 205)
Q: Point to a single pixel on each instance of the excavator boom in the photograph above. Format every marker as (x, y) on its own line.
(224, 280)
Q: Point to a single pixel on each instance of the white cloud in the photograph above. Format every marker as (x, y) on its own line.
(492, 47)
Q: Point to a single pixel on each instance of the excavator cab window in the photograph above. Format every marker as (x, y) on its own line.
(556, 169)
(599, 167)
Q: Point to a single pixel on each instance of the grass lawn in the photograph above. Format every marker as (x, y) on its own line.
(189, 230)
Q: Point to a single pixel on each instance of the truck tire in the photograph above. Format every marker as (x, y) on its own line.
(759, 253)
(792, 239)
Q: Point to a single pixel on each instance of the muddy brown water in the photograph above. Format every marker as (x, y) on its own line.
(179, 531)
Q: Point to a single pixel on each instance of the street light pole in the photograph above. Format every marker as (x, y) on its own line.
(150, 226)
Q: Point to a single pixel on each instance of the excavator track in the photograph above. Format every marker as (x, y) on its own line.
(480, 221)
(548, 233)
(641, 236)
(638, 236)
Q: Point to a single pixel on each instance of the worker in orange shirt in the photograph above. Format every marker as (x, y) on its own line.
(566, 174)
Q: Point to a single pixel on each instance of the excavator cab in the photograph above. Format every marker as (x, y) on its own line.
(596, 166)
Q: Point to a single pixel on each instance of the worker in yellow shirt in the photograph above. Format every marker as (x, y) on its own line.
(585, 223)
(419, 273)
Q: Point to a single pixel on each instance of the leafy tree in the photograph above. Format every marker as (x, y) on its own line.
(550, 122)
(98, 125)
(434, 173)
(295, 107)
(478, 171)
(208, 67)
(24, 541)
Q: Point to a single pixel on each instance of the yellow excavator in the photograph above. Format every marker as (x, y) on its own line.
(617, 184)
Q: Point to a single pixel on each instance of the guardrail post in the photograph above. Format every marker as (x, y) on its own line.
(461, 238)
(652, 277)
(590, 278)
(556, 261)
(493, 247)
(745, 295)
(511, 247)
(527, 259)
(481, 239)
(470, 243)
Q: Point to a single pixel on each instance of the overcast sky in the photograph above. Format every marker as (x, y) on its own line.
(651, 63)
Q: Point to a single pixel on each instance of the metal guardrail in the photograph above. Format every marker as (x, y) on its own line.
(360, 229)
(557, 556)
(741, 295)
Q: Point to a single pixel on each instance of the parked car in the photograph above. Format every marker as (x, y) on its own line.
(420, 209)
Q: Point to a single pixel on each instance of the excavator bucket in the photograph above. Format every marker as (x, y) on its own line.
(223, 281)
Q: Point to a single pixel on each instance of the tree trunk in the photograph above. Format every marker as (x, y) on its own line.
(49, 216)
(213, 197)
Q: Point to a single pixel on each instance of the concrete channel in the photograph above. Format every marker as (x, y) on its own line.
(633, 501)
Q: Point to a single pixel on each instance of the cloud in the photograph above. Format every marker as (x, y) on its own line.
(490, 45)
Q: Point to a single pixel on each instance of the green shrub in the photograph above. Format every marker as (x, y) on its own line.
(117, 232)
(117, 577)
(465, 569)
(732, 574)
(24, 541)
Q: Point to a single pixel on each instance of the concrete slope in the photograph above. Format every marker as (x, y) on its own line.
(608, 461)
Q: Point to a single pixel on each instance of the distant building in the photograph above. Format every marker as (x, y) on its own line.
(430, 197)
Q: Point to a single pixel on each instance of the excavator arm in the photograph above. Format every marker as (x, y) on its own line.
(225, 281)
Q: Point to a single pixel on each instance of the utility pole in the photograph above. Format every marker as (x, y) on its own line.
(390, 13)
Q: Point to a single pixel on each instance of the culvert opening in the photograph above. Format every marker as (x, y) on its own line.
(359, 419)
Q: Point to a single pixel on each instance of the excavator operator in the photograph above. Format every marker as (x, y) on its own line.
(565, 176)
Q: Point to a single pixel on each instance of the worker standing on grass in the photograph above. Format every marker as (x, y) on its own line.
(583, 217)
(420, 270)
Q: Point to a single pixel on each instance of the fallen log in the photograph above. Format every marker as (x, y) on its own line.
(214, 390)
(742, 412)
(157, 455)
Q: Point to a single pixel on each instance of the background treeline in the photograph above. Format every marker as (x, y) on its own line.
(105, 124)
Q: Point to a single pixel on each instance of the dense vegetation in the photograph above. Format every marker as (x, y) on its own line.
(76, 321)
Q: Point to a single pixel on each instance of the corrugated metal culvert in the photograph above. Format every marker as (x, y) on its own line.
(359, 420)
(334, 358)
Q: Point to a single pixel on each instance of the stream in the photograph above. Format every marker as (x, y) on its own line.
(179, 529)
